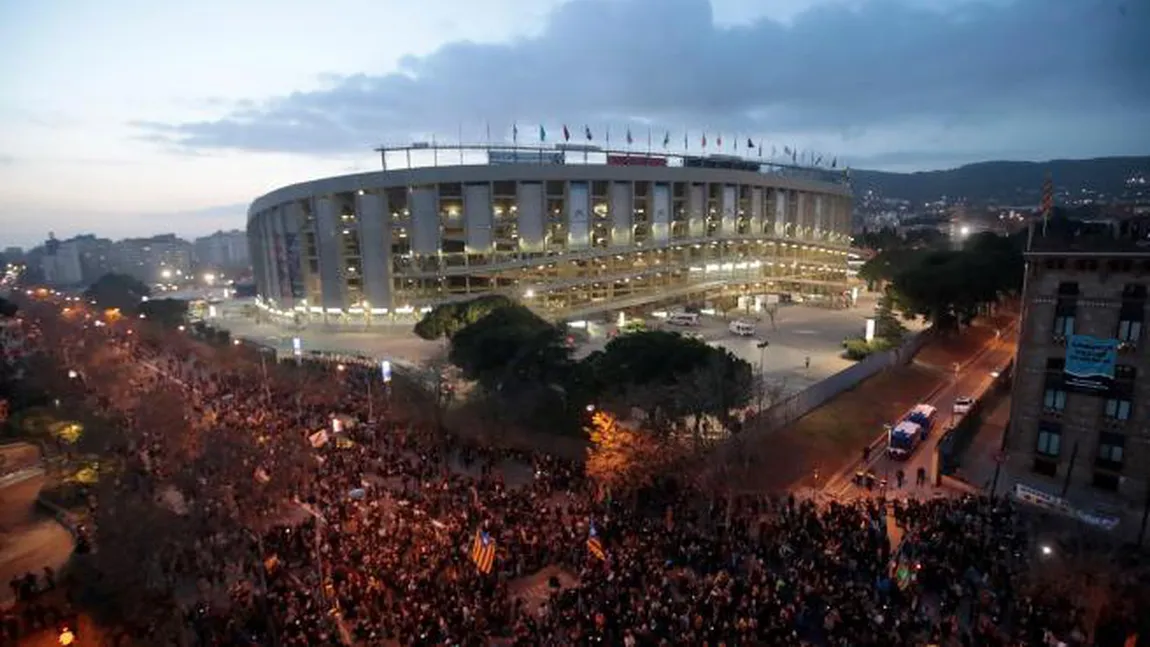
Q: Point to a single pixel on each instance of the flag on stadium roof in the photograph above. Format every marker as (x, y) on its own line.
(542, 133)
(587, 132)
(566, 133)
(630, 140)
(667, 139)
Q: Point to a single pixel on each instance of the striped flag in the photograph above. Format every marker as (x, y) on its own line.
(483, 551)
(594, 545)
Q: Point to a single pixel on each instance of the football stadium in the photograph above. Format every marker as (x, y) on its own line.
(571, 231)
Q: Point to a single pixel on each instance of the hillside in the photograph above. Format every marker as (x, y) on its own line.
(1009, 183)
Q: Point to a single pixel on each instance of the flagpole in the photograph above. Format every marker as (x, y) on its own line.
(461, 143)
(648, 141)
(434, 152)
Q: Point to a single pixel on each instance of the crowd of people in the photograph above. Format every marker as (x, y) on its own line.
(313, 523)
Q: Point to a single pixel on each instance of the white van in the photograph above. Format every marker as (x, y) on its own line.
(683, 319)
(742, 328)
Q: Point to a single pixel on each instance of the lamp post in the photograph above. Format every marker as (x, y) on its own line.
(762, 346)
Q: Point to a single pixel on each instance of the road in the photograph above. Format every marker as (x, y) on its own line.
(972, 379)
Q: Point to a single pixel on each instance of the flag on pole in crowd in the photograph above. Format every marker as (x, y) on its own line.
(566, 133)
(587, 132)
(834, 162)
(595, 545)
(630, 140)
(750, 144)
(667, 139)
(515, 133)
(483, 551)
(542, 133)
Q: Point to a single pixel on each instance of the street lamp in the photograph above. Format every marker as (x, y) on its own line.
(762, 346)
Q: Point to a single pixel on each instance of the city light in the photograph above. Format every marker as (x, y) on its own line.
(166, 273)
(210, 278)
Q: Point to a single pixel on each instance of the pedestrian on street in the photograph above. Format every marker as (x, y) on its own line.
(898, 477)
(920, 477)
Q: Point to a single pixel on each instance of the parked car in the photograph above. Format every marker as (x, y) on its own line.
(963, 404)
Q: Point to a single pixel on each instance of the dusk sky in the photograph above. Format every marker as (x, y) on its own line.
(125, 117)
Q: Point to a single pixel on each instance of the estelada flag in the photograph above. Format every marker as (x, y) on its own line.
(483, 551)
(595, 545)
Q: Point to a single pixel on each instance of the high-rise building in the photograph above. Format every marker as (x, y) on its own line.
(222, 250)
(1080, 409)
(155, 259)
(61, 262)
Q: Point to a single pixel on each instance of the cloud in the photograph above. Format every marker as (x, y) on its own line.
(834, 72)
(7, 160)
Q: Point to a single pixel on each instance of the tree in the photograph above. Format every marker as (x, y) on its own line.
(886, 265)
(8, 308)
(168, 313)
(726, 303)
(669, 376)
(117, 291)
(886, 324)
(619, 457)
(446, 319)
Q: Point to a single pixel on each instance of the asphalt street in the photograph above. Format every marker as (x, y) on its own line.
(972, 379)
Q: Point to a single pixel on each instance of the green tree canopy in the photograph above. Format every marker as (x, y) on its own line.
(117, 291)
(166, 312)
(669, 376)
(8, 308)
(509, 348)
(887, 326)
(446, 319)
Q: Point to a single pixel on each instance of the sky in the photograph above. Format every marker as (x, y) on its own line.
(133, 117)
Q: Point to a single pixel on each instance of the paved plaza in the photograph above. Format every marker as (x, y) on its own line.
(799, 332)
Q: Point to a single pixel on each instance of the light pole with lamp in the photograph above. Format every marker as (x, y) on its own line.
(762, 346)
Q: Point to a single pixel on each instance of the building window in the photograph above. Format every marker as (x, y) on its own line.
(1054, 399)
(1068, 288)
(1117, 409)
(1049, 440)
(1129, 331)
(1063, 326)
(1110, 451)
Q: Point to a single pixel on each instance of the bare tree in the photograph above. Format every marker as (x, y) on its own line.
(772, 311)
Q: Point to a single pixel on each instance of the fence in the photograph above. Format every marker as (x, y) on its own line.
(800, 404)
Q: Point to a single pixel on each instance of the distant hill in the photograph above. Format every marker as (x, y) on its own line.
(1008, 183)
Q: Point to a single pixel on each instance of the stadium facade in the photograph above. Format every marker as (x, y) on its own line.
(569, 235)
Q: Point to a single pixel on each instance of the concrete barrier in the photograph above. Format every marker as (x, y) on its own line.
(800, 404)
